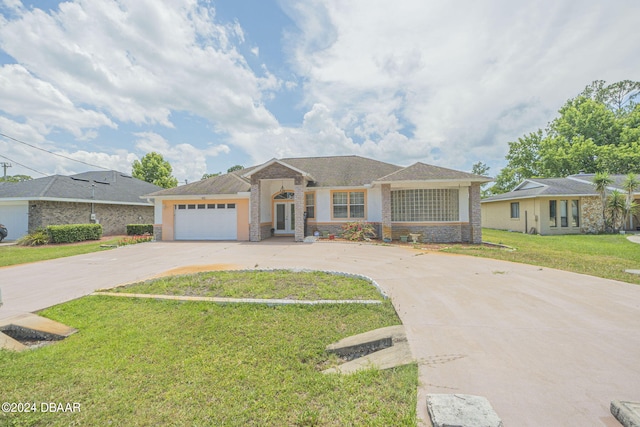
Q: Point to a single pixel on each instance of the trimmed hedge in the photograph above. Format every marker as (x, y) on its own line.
(74, 232)
(139, 229)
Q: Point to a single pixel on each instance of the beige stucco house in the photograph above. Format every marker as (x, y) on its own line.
(298, 196)
(544, 206)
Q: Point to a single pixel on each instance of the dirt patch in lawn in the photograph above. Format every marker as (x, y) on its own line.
(190, 269)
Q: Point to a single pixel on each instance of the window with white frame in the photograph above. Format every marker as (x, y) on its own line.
(310, 203)
(422, 205)
(348, 204)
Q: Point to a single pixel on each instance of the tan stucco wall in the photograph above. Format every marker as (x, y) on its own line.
(242, 211)
(498, 215)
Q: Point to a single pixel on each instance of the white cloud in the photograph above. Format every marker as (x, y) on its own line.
(43, 106)
(444, 82)
(187, 161)
(466, 77)
(138, 60)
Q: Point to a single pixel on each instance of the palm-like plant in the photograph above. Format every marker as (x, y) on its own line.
(616, 204)
(630, 184)
(602, 180)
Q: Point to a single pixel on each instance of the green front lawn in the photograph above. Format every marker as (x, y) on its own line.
(12, 255)
(605, 256)
(279, 284)
(148, 362)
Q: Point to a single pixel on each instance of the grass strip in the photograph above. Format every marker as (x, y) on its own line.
(146, 362)
(13, 255)
(278, 284)
(606, 256)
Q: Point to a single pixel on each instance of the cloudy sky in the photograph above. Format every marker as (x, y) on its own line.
(211, 84)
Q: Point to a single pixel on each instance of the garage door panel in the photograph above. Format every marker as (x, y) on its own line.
(16, 219)
(206, 222)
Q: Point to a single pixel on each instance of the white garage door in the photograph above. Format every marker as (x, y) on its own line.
(16, 219)
(210, 221)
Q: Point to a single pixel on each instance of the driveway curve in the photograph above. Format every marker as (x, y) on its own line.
(545, 347)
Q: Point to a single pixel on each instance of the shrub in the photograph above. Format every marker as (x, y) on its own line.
(139, 229)
(37, 238)
(74, 232)
(134, 239)
(358, 231)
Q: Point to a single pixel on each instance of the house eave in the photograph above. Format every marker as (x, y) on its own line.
(432, 181)
(537, 196)
(240, 195)
(67, 200)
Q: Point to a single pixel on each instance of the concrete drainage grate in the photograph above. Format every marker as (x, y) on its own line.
(28, 331)
(381, 348)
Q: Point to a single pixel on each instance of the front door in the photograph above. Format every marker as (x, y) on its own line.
(285, 220)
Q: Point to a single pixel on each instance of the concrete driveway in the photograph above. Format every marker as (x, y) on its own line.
(546, 347)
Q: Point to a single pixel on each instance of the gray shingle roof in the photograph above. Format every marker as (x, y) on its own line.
(548, 187)
(342, 171)
(423, 172)
(579, 184)
(330, 171)
(98, 186)
(230, 183)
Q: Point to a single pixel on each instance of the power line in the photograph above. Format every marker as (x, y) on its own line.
(50, 152)
(24, 166)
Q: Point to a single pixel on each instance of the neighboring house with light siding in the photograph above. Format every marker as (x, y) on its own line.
(277, 197)
(545, 206)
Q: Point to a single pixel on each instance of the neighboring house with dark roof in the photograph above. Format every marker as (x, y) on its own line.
(110, 198)
(277, 197)
(568, 205)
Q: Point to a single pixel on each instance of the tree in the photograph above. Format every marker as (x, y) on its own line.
(597, 131)
(524, 162)
(481, 169)
(15, 178)
(235, 168)
(630, 184)
(209, 175)
(155, 169)
(602, 180)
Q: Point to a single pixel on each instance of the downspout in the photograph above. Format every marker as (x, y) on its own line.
(93, 196)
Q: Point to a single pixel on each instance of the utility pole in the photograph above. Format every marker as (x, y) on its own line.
(5, 165)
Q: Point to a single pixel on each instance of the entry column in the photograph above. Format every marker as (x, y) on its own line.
(298, 200)
(386, 211)
(254, 199)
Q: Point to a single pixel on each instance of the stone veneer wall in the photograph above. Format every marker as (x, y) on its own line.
(475, 215)
(157, 232)
(114, 218)
(591, 215)
(453, 233)
(336, 228)
(265, 230)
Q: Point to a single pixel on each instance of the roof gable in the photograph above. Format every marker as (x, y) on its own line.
(229, 183)
(279, 166)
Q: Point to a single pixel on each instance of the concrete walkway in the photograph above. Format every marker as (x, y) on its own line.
(545, 347)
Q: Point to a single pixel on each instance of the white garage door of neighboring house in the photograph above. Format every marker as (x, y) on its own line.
(210, 221)
(16, 219)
